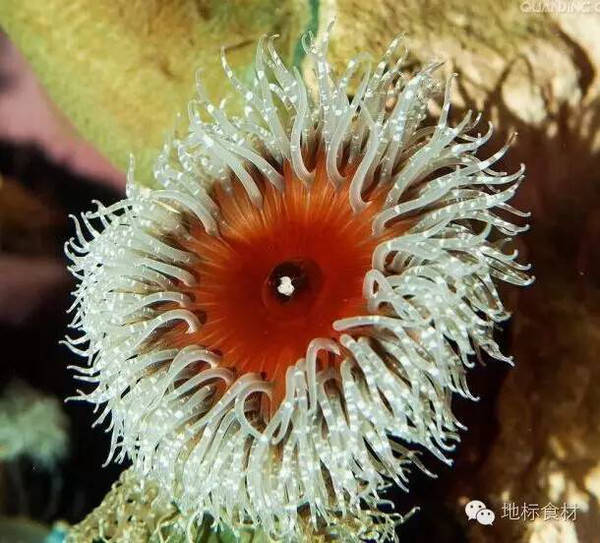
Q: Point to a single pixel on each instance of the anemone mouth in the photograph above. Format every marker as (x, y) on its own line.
(291, 287)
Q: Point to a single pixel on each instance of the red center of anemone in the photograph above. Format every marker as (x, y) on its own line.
(279, 275)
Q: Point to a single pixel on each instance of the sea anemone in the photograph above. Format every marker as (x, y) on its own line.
(278, 328)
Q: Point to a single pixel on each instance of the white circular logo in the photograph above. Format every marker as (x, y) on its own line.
(477, 510)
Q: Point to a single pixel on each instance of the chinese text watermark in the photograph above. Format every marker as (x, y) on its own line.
(533, 511)
(560, 6)
(478, 511)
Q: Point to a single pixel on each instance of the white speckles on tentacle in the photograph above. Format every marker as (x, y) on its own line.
(334, 151)
(351, 69)
(432, 193)
(186, 357)
(268, 110)
(274, 177)
(408, 111)
(202, 213)
(384, 72)
(296, 137)
(443, 120)
(459, 149)
(286, 81)
(212, 147)
(256, 386)
(357, 185)
(418, 164)
(326, 102)
(312, 354)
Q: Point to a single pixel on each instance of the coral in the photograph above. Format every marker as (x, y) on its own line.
(134, 511)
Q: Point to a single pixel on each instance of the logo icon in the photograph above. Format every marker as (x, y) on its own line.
(477, 510)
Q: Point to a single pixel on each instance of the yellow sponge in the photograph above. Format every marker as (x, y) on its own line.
(122, 69)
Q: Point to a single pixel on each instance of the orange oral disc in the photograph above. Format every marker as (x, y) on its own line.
(279, 275)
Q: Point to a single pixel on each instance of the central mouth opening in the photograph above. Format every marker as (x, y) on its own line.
(292, 287)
